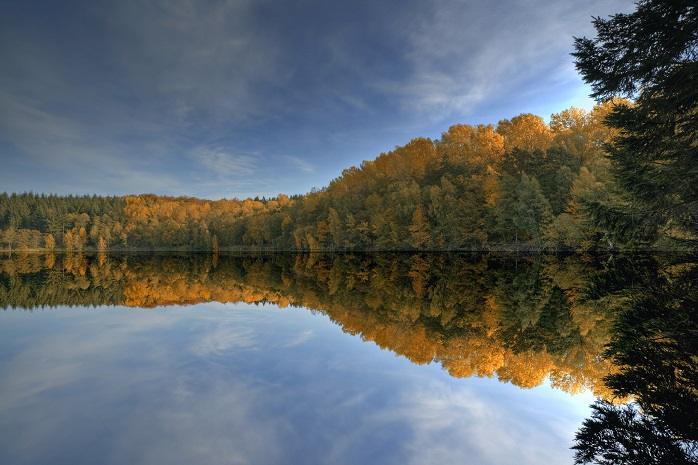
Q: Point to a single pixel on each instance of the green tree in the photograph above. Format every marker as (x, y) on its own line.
(522, 210)
(649, 55)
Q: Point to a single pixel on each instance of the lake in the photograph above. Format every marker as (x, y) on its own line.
(342, 359)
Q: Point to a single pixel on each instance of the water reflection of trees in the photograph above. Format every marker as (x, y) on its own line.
(520, 319)
(654, 346)
(625, 326)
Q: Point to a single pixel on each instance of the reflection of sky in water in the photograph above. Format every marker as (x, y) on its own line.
(232, 384)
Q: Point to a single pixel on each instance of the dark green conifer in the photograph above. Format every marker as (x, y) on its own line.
(651, 56)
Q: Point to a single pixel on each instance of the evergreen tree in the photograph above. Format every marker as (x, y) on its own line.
(651, 56)
(617, 435)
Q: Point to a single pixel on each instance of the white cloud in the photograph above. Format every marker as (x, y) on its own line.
(298, 339)
(222, 339)
(232, 384)
(221, 162)
(155, 86)
(209, 59)
(466, 54)
(178, 72)
(486, 430)
(33, 129)
(299, 163)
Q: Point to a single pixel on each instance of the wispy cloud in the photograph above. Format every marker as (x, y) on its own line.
(223, 163)
(299, 163)
(464, 55)
(473, 422)
(210, 59)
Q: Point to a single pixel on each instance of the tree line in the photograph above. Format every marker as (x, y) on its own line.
(522, 184)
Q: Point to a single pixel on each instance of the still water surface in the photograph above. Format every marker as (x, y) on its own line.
(235, 383)
(266, 360)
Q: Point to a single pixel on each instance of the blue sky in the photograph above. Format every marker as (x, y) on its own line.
(222, 99)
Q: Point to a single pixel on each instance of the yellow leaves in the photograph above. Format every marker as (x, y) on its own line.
(68, 241)
(480, 146)
(526, 131)
(526, 370)
(490, 321)
(135, 209)
(472, 357)
(570, 120)
(405, 162)
(419, 229)
(49, 242)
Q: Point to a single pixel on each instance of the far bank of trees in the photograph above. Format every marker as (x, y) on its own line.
(522, 184)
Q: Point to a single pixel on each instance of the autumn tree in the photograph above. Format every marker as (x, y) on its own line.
(474, 148)
(526, 131)
(68, 241)
(49, 242)
(420, 229)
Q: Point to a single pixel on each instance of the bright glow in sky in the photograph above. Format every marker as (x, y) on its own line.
(238, 98)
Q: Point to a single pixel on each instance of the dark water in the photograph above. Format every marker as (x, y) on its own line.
(338, 359)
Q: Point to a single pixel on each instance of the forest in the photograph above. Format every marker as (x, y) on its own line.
(523, 184)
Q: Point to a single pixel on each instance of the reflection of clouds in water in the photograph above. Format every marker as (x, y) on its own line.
(298, 339)
(235, 384)
(224, 338)
(487, 431)
(248, 329)
(221, 423)
(54, 358)
(123, 384)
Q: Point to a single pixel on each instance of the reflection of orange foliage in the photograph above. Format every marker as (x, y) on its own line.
(168, 285)
(490, 320)
(75, 263)
(427, 308)
(474, 356)
(420, 278)
(527, 370)
(21, 264)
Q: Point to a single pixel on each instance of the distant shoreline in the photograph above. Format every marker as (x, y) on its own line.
(502, 248)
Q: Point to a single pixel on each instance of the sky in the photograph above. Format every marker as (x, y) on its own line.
(243, 98)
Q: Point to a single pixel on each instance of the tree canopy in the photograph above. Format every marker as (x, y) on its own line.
(519, 185)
